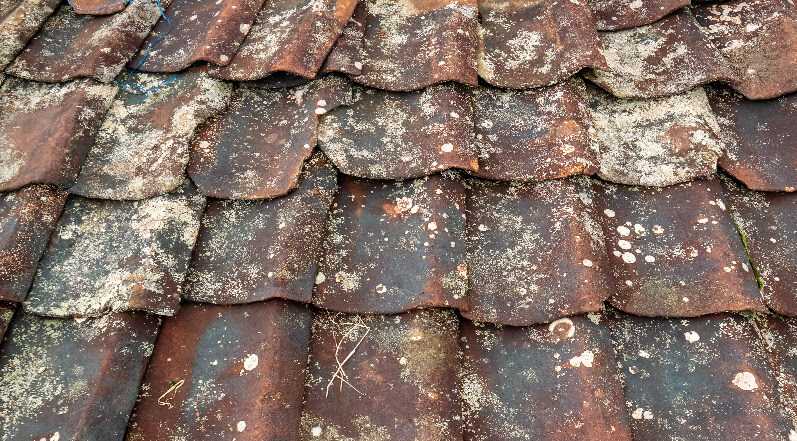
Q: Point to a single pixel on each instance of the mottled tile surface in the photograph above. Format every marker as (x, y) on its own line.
(97, 7)
(615, 15)
(6, 314)
(19, 21)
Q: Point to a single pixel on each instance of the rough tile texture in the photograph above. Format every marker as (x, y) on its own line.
(226, 372)
(400, 383)
(71, 45)
(656, 142)
(6, 314)
(760, 139)
(256, 148)
(346, 55)
(539, 43)
(660, 59)
(697, 379)
(19, 21)
(27, 217)
(72, 379)
(546, 382)
(682, 261)
(248, 251)
(535, 252)
(394, 246)
(97, 7)
(780, 337)
(411, 44)
(32, 151)
(389, 135)
(141, 149)
(117, 256)
(615, 15)
(209, 31)
(291, 36)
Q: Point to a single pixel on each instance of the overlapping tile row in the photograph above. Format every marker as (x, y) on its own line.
(98, 7)
(19, 21)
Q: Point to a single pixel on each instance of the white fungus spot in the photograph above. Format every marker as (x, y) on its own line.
(447, 147)
(691, 336)
(650, 259)
(585, 359)
(608, 212)
(623, 230)
(241, 426)
(244, 28)
(320, 278)
(250, 362)
(316, 432)
(483, 227)
(745, 381)
(624, 244)
(381, 289)
(628, 257)
(571, 329)
(586, 262)
(432, 226)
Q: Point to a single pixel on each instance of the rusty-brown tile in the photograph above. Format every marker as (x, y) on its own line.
(72, 379)
(383, 377)
(615, 15)
(780, 336)
(390, 135)
(534, 135)
(760, 139)
(675, 251)
(209, 31)
(539, 43)
(254, 250)
(703, 378)
(666, 57)
(769, 223)
(757, 39)
(47, 130)
(141, 149)
(394, 246)
(226, 372)
(19, 21)
(546, 382)
(535, 252)
(657, 141)
(346, 55)
(255, 150)
(118, 256)
(411, 44)
(6, 314)
(291, 36)
(27, 217)
(70, 45)
(98, 7)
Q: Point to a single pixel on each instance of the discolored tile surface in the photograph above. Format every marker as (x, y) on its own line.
(256, 148)
(292, 36)
(110, 256)
(27, 217)
(535, 252)
(141, 149)
(199, 31)
(656, 142)
(33, 152)
(667, 57)
(411, 44)
(760, 139)
(69, 379)
(346, 55)
(779, 334)
(70, 45)
(240, 371)
(533, 44)
(6, 314)
(615, 15)
(534, 135)
(248, 251)
(394, 246)
(545, 382)
(97, 7)
(682, 261)
(389, 135)
(402, 377)
(697, 379)
(19, 21)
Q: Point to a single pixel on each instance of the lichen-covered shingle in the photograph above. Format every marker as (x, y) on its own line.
(98, 7)
(6, 314)
(19, 21)
(346, 55)
(615, 15)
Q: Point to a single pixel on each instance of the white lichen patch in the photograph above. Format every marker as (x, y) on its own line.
(745, 381)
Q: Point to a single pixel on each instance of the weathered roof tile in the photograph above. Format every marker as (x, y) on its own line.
(615, 15)
(6, 314)
(19, 21)
(780, 335)
(346, 55)
(98, 7)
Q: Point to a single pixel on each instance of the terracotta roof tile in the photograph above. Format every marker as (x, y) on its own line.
(400, 382)
(209, 31)
(656, 142)
(411, 44)
(533, 44)
(757, 38)
(698, 378)
(141, 149)
(780, 335)
(97, 7)
(292, 36)
(615, 15)
(249, 251)
(759, 139)
(6, 314)
(535, 252)
(256, 148)
(389, 135)
(224, 372)
(33, 152)
(27, 217)
(70, 45)
(19, 21)
(682, 261)
(109, 256)
(68, 379)
(394, 246)
(346, 55)
(546, 382)
(666, 57)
